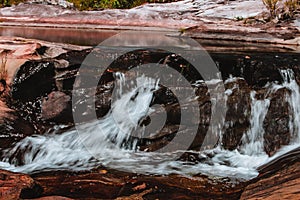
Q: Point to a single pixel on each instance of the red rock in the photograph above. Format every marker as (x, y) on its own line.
(13, 184)
(114, 184)
(279, 179)
(54, 104)
(53, 198)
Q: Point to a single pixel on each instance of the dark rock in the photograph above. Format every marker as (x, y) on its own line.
(13, 131)
(34, 79)
(276, 123)
(56, 106)
(238, 113)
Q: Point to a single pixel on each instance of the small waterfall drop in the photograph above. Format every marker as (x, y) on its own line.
(103, 140)
(253, 139)
(293, 99)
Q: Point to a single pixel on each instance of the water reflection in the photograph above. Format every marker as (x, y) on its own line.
(71, 36)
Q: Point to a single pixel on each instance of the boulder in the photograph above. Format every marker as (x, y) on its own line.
(55, 105)
(276, 123)
(238, 113)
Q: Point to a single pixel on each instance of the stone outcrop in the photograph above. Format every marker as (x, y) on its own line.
(35, 108)
(238, 112)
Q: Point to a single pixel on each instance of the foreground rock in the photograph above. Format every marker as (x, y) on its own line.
(110, 184)
(27, 58)
(15, 186)
(279, 179)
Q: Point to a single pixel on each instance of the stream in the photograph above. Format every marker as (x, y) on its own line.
(69, 150)
(106, 141)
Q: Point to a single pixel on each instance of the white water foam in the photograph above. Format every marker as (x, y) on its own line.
(104, 139)
(253, 140)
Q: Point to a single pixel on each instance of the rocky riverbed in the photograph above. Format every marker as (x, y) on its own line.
(30, 108)
(258, 83)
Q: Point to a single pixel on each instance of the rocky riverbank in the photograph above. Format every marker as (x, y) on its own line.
(37, 78)
(210, 19)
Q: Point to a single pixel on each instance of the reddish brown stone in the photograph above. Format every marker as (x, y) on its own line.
(13, 184)
(113, 184)
(279, 179)
(53, 198)
(55, 103)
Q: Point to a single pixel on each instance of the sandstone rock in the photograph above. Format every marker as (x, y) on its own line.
(277, 180)
(113, 184)
(15, 186)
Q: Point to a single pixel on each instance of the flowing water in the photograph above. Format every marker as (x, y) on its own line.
(103, 140)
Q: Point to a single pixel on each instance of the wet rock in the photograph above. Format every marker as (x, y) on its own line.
(109, 184)
(34, 79)
(258, 68)
(53, 198)
(58, 74)
(16, 186)
(277, 180)
(238, 113)
(56, 106)
(14, 130)
(276, 123)
(61, 64)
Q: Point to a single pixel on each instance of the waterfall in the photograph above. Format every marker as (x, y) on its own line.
(102, 141)
(253, 139)
(293, 99)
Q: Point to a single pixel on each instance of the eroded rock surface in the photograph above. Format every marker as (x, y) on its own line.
(277, 180)
(110, 184)
(16, 186)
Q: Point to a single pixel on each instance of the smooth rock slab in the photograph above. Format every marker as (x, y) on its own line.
(279, 179)
(109, 184)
